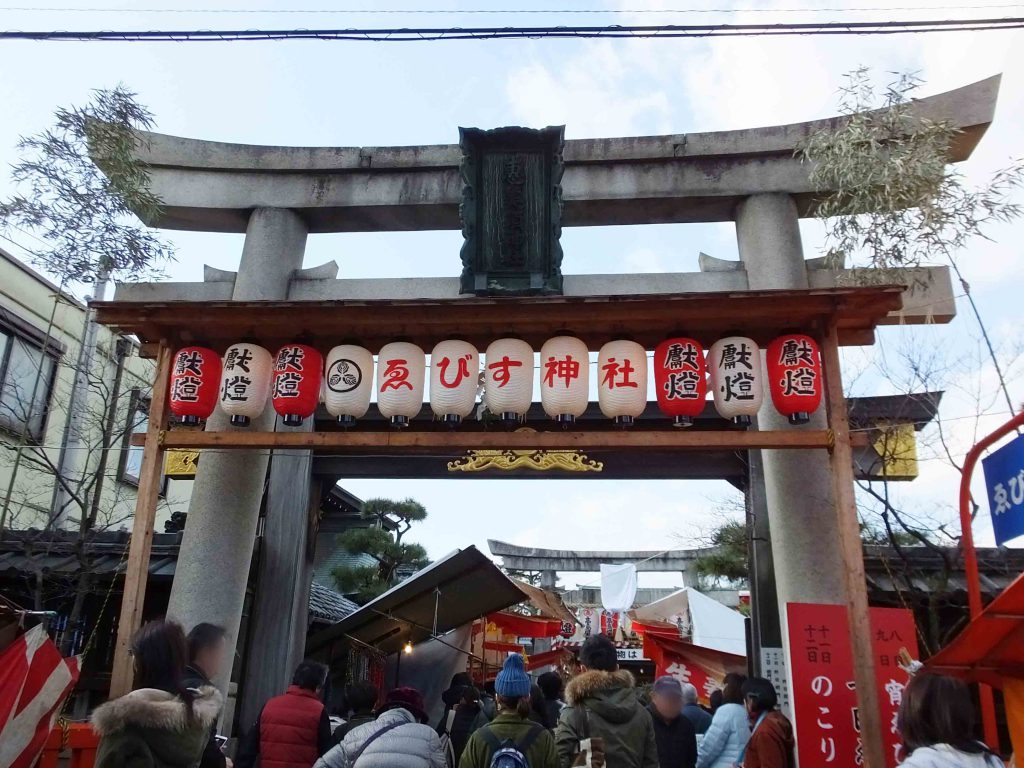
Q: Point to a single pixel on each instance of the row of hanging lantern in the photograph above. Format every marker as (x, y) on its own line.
(297, 377)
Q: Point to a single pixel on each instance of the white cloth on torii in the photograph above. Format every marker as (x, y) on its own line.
(618, 587)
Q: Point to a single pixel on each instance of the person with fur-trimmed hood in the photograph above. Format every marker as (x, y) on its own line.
(602, 706)
(161, 723)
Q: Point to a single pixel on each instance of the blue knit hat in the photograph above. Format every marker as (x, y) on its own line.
(513, 682)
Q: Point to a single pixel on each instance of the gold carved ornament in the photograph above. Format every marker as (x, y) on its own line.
(538, 460)
(181, 465)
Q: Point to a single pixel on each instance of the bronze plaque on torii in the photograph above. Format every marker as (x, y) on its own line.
(511, 210)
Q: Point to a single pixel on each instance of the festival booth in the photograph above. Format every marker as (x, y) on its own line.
(990, 650)
(692, 637)
(534, 631)
(450, 617)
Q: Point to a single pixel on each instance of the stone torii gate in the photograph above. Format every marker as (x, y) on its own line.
(278, 196)
(548, 562)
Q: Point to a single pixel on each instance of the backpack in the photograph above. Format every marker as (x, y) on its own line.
(510, 753)
(446, 739)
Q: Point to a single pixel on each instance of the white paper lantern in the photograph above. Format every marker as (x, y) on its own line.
(348, 382)
(622, 381)
(737, 378)
(400, 372)
(454, 379)
(564, 378)
(246, 374)
(508, 378)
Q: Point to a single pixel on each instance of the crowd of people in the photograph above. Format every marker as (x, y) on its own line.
(599, 718)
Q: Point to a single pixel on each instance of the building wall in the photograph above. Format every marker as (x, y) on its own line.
(32, 309)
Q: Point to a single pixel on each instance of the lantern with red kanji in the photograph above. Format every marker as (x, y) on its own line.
(737, 378)
(622, 381)
(680, 378)
(794, 376)
(195, 382)
(400, 372)
(245, 382)
(508, 379)
(564, 378)
(295, 393)
(454, 380)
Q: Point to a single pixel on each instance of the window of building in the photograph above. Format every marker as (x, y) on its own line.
(137, 424)
(131, 455)
(26, 382)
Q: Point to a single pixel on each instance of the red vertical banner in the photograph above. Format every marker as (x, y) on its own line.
(824, 697)
(892, 631)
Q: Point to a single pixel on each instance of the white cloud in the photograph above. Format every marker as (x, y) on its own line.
(594, 94)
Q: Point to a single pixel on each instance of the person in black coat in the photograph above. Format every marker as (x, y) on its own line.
(553, 688)
(673, 732)
(361, 700)
(469, 717)
(207, 646)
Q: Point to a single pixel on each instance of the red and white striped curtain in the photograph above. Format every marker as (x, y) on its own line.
(34, 682)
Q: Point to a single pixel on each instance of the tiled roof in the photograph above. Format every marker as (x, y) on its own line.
(327, 605)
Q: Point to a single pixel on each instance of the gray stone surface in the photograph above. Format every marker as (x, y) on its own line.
(565, 560)
(212, 186)
(798, 484)
(216, 548)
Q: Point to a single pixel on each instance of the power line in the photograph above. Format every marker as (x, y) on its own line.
(668, 31)
(509, 11)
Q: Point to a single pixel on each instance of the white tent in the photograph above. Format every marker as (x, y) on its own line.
(706, 622)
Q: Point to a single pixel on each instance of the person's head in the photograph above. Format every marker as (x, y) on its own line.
(470, 695)
(160, 652)
(759, 696)
(689, 694)
(460, 680)
(512, 686)
(715, 700)
(551, 684)
(937, 710)
(732, 690)
(408, 699)
(207, 645)
(310, 675)
(361, 696)
(598, 652)
(667, 697)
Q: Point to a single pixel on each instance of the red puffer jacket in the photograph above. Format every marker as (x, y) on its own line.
(289, 729)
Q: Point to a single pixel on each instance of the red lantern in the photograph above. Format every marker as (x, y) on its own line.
(295, 393)
(794, 376)
(195, 383)
(680, 379)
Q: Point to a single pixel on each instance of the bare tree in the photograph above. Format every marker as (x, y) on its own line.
(92, 494)
(906, 527)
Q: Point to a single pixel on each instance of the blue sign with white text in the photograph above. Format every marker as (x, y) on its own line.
(1004, 479)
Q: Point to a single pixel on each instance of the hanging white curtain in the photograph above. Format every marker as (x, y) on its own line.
(618, 587)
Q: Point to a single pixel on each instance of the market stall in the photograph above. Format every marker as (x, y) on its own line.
(990, 650)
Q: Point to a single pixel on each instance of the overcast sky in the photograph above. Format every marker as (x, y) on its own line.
(351, 94)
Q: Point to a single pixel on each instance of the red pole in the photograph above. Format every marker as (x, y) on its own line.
(988, 706)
